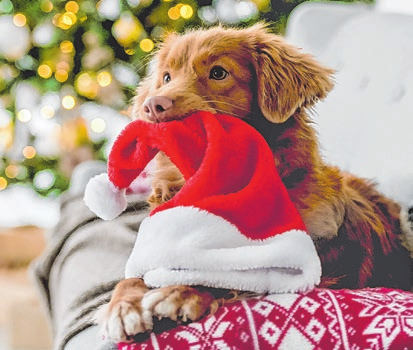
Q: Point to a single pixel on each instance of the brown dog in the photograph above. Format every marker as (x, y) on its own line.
(255, 75)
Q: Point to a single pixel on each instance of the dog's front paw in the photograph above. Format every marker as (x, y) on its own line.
(179, 303)
(122, 320)
(124, 316)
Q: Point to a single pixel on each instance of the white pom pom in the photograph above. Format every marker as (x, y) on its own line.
(104, 198)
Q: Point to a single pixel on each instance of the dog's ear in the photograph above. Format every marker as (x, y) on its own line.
(287, 78)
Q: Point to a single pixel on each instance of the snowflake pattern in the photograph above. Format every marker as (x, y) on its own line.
(392, 315)
(207, 335)
(369, 319)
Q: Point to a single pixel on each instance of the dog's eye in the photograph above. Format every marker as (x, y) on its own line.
(218, 73)
(166, 78)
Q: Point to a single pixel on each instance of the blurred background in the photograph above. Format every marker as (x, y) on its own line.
(68, 70)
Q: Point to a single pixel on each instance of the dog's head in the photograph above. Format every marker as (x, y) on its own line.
(230, 71)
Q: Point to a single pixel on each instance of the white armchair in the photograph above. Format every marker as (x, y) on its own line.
(366, 123)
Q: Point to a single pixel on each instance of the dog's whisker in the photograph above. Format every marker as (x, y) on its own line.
(228, 113)
(145, 62)
(226, 97)
(228, 104)
(213, 110)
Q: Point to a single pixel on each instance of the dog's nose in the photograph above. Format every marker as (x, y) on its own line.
(156, 107)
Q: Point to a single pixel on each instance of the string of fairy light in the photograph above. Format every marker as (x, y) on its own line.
(77, 52)
(58, 67)
(126, 30)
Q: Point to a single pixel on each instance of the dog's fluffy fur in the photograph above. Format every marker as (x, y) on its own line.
(271, 85)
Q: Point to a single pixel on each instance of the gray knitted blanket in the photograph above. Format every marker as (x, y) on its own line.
(84, 261)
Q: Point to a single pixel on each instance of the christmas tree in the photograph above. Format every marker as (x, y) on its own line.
(68, 70)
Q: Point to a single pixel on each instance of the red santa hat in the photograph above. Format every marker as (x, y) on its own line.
(232, 225)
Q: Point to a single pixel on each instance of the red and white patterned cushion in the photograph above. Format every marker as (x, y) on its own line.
(367, 319)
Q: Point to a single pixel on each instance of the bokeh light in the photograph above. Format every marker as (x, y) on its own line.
(72, 6)
(174, 13)
(46, 6)
(44, 179)
(186, 11)
(45, 71)
(104, 78)
(146, 45)
(86, 85)
(24, 115)
(65, 20)
(61, 75)
(66, 46)
(47, 112)
(3, 183)
(129, 50)
(11, 171)
(19, 20)
(127, 29)
(63, 66)
(29, 152)
(6, 6)
(98, 125)
(68, 102)
(69, 18)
